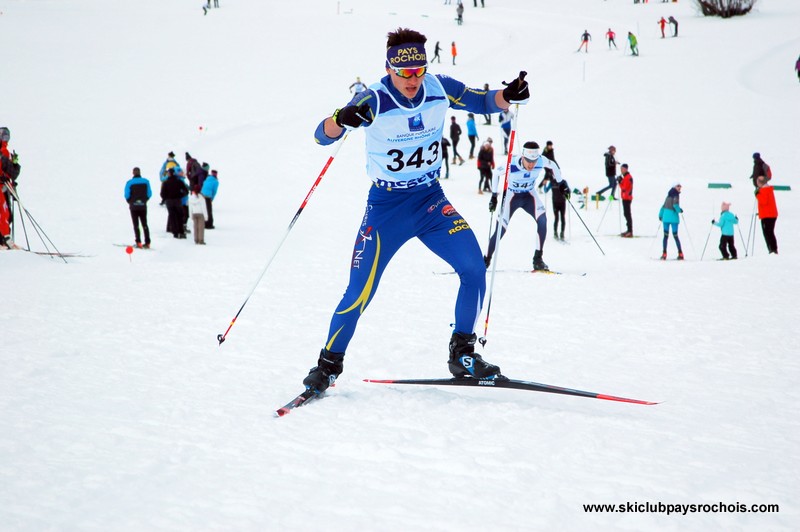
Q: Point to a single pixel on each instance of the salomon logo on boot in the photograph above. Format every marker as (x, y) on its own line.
(464, 362)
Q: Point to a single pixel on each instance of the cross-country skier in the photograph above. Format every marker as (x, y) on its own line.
(522, 176)
(403, 118)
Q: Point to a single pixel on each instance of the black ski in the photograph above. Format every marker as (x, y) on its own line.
(298, 401)
(511, 383)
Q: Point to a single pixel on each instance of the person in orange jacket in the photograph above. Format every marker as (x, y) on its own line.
(767, 213)
(453, 51)
(626, 189)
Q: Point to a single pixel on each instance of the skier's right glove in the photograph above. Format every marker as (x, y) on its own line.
(353, 116)
(713, 221)
(493, 203)
(517, 91)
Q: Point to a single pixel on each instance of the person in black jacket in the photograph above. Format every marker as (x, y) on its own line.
(173, 190)
(611, 172)
(560, 192)
(760, 168)
(485, 166)
(137, 192)
(455, 134)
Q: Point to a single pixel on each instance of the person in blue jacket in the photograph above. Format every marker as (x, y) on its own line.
(670, 216)
(209, 192)
(137, 193)
(726, 222)
(403, 117)
(472, 134)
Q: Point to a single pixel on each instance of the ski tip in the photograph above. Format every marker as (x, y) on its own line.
(626, 400)
(282, 412)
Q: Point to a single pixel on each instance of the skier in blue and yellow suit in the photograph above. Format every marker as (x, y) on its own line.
(403, 116)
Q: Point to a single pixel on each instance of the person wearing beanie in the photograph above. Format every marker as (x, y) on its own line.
(173, 192)
(670, 216)
(560, 191)
(760, 168)
(137, 194)
(611, 172)
(727, 220)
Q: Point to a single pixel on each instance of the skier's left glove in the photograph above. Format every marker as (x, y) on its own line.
(517, 91)
(353, 116)
(493, 203)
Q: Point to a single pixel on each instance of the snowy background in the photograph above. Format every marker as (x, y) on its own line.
(119, 411)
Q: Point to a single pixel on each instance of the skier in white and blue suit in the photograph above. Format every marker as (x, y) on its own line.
(403, 116)
(522, 176)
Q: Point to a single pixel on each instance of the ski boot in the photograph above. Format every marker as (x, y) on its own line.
(466, 363)
(329, 367)
(538, 263)
(664, 255)
(487, 261)
(680, 255)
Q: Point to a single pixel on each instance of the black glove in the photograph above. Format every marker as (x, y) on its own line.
(567, 194)
(713, 221)
(517, 91)
(619, 179)
(493, 203)
(353, 116)
(737, 218)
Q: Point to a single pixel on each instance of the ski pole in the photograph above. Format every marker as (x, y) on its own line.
(706, 244)
(742, 237)
(587, 228)
(221, 337)
(604, 216)
(498, 229)
(691, 243)
(36, 227)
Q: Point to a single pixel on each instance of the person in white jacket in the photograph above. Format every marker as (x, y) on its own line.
(199, 215)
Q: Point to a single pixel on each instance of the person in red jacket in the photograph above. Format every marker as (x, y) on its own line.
(767, 213)
(626, 189)
(662, 23)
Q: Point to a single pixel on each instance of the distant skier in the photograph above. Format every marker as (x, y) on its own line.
(436, 55)
(633, 43)
(522, 194)
(610, 164)
(357, 86)
(585, 38)
(626, 193)
(662, 24)
(137, 193)
(610, 36)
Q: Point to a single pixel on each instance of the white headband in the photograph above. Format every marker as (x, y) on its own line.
(530, 153)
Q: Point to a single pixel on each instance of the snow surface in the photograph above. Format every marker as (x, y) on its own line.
(119, 411)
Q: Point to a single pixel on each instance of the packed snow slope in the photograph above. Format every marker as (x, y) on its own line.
(119, 411)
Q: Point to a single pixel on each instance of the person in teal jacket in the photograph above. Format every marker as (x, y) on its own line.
(670, 216)
(209, 192)
(726, 222)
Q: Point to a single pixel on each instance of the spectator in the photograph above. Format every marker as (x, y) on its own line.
(169, 163)
(767, 213)
(197, 210)
(669, 215)
(506, 117)
(726, 222)
(446, 157)
(9, 172)
(797, 67)
(760, 168)
(459, 18)
(626, 189)
(674, 24)
(485, 166)
(472, 134)
(487, 117)
(455, 135)
(662, 24)
(173, 191)
(209, 192)
(453, 52)
(611, 172)
(436, 55)
(137, 194)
